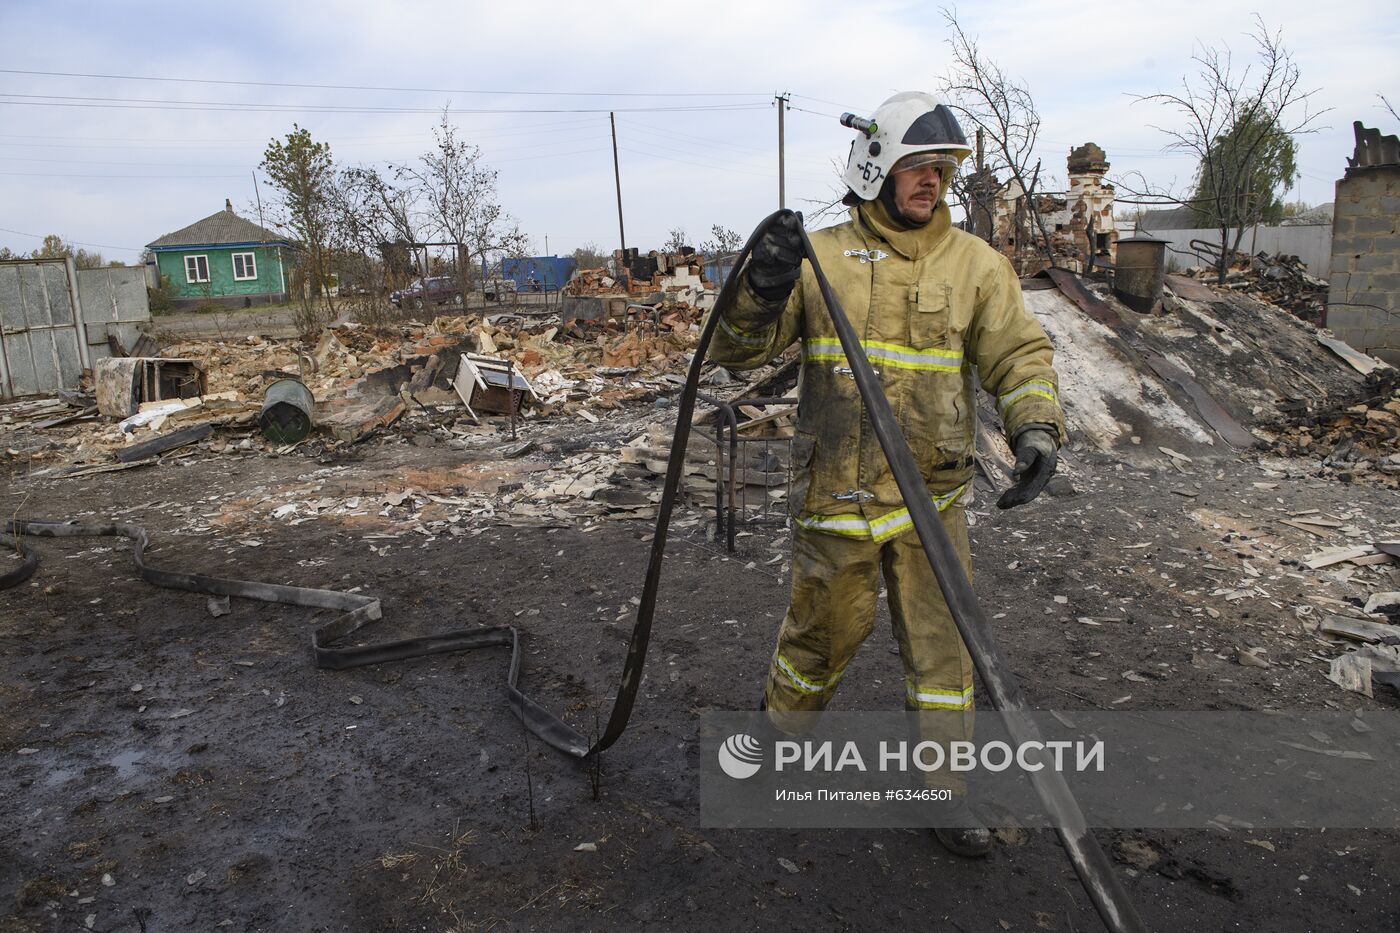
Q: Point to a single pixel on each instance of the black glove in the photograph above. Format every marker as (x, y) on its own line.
(777, 259)
(1036, 457)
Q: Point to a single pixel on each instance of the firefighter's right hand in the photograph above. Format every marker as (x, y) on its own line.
(777, 259)
(1036, 455)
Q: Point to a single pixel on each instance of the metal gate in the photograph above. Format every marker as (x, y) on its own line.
(40, 347)
(55, 320)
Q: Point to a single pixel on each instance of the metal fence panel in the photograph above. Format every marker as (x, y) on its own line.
(114, 302)
(39, 349)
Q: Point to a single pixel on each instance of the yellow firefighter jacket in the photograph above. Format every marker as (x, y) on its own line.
(929, 305)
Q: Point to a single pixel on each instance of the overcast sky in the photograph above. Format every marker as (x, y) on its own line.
(114, 162)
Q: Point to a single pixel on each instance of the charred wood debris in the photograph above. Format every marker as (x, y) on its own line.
(1278, 279)
(564, 417)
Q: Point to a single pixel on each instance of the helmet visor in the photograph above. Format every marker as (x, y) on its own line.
(940, 160)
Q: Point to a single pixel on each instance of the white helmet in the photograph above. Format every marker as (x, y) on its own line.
(906, 124)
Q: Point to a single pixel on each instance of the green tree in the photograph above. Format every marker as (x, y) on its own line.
(1239, 124)
(1243, 174)
(302, 173)
(591, 256)
(54, 247)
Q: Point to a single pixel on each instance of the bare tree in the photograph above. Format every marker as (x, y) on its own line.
(675, 240)
(1388, 106)
(990, 100)
(360, 228)
(821, 210)
(458, 193)
(1232, 122)
(722, 241)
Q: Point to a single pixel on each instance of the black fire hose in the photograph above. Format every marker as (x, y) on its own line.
(1092, 866)
(1095, 872)
(1088, 859)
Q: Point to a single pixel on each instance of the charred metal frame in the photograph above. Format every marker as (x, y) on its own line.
(728, 507)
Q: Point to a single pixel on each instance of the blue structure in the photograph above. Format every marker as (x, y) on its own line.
(552, 272)
(717, 269)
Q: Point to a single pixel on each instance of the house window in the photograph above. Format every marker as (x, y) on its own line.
(244, 267)
(196, 269)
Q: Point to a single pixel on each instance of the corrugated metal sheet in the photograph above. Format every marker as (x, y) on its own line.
(551, 271)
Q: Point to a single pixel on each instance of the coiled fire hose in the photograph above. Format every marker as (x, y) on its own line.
(1093, 868)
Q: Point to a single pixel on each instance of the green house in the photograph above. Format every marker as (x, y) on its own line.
(222, 260)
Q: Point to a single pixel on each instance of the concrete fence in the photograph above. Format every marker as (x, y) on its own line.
(1311, 244)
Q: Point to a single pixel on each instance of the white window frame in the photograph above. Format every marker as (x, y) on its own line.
(200, 259)
(250, 261)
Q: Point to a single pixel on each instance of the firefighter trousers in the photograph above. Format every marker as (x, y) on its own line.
(835, 585)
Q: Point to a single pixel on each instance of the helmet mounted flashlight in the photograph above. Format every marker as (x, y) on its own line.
(868, 127)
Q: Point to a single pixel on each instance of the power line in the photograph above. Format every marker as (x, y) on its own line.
(690, 137)
(834, 104)
(549, 155)
(713, 164)
(218, 106)
(422, 138)
(517, 130)
(717, 168)
(831, 116)
(365, 87)
(486, 153)
(60, 175)
(73, 242)
(109, 162)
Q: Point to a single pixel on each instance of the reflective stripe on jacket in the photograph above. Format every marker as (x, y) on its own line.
(924, 323)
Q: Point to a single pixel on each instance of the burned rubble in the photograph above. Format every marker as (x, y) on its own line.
(1276, 279)
(1353, 440)
(1167, 567)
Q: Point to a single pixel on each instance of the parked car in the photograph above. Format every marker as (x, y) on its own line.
(496, 288)
(441, 290)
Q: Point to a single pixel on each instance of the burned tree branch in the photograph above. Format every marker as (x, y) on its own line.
(984, 96)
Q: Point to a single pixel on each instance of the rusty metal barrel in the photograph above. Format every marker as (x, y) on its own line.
(1140, 271)
(286, 413)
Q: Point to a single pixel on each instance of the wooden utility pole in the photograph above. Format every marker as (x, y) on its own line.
(617, 179)
(782, 167)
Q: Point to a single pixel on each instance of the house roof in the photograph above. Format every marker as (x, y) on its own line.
(224, 228)
(1176, 218)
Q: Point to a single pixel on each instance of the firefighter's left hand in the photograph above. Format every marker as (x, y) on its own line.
(1036, 457)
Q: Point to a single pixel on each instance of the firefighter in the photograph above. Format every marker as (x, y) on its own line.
(929, 303)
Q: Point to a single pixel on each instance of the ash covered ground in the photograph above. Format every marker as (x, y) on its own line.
(168, 768)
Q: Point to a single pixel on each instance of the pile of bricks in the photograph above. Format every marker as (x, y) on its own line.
(1356, 441)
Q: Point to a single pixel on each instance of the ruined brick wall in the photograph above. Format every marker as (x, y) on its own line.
(1092, 216)
(1078, 223)
(1363, 304)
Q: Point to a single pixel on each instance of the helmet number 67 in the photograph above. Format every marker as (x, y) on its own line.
(871, 172)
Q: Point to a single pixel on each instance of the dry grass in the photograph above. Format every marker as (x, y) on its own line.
(390, 861)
